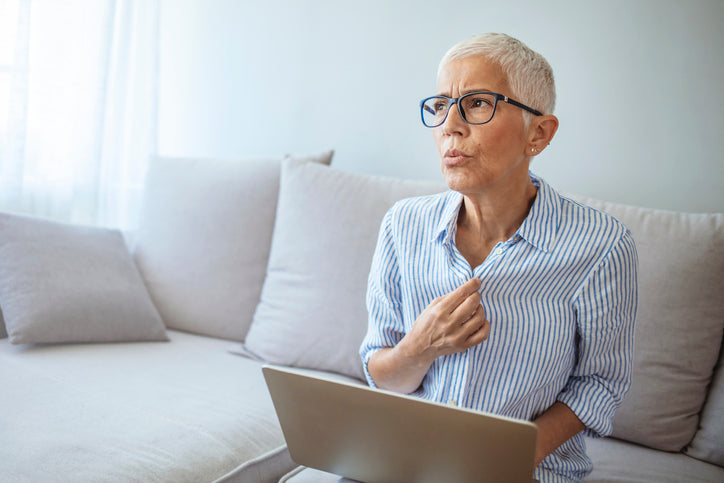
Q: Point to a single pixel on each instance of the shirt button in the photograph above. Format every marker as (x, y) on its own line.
(498, 251)
(452, 402)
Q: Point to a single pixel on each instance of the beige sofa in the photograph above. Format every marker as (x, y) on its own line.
(144, 364)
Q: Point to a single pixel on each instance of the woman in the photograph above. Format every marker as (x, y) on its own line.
(500, 294)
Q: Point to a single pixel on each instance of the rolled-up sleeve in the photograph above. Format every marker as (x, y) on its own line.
(385, 324)
(606, 308)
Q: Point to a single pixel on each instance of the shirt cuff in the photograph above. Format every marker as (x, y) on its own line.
(591, 403)
(365, 360)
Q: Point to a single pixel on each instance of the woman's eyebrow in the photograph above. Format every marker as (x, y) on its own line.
(465, 91)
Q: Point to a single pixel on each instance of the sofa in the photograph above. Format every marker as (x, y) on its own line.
(137, 356)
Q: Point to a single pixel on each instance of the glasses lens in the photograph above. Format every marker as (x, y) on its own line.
(479, 108)
(434, 111)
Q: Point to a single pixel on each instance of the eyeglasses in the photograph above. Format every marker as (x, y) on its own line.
(475, 107)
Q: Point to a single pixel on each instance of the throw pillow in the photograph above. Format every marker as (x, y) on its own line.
(679, 323)
(312, 312)
(203, 242)
(65, 283)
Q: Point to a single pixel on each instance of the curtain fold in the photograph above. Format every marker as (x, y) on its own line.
(80, 109)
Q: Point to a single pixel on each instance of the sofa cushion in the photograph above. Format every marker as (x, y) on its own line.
(65, 283)
(302, 474)
(203, 241)
(312, 311)
(679, 323)
(616, 460)
(708, 443)
(613, 460)
(183, 411)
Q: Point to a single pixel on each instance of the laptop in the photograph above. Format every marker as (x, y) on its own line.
(371, 435)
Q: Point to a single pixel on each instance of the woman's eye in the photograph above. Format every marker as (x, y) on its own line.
(479, 103)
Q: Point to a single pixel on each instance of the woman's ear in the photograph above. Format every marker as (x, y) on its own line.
(542, 130)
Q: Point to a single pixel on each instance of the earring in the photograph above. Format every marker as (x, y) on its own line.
(534, 150)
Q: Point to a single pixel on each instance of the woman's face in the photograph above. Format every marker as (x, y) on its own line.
(478, 158)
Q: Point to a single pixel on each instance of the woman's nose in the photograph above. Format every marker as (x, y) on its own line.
(454, 121)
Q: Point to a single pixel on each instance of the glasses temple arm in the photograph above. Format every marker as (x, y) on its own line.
(522, 106)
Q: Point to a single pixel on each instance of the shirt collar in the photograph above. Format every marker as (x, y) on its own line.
(539, 228)
(447, 225)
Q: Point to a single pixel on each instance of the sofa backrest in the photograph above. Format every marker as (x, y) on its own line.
(679, 324)
(203, 242)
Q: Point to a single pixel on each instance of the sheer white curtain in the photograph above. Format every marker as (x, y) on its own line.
(78, 97)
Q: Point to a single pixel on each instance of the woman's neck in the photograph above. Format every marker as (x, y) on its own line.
(498, 216)
(486, 219)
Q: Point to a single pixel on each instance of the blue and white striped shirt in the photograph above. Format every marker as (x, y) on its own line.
(561, 298)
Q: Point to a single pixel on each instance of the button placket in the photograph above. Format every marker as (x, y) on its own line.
(458, 262)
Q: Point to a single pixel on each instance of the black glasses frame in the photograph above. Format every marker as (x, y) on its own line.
(456, 100)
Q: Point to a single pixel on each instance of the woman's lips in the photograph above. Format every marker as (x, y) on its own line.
(454, 157)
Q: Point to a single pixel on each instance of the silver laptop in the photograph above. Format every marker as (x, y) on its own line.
(371, 435)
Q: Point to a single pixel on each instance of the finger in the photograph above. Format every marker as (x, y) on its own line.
(467, 308)
(474, 322)
(464, 330)
(471, 324)
(480, 335)
(453, 299)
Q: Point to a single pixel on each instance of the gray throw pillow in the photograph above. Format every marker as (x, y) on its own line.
(203, 242)
(65, 283)
(312, 312)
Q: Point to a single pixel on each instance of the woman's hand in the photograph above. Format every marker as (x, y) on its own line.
(451, 323)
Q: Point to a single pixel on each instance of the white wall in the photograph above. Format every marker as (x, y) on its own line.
(640, 86)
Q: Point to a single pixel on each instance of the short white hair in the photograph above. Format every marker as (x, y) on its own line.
(529, 75)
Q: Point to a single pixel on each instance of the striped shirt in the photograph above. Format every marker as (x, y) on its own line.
(561, 298)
